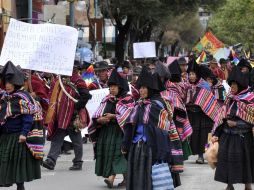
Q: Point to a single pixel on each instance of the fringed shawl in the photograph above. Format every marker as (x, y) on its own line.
(244, 104)
(175, 95)
(124, 107)
(154, 112)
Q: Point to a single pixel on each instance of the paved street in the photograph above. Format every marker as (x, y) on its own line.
(195, 177)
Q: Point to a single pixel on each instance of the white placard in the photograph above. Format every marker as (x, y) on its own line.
(40, 47)
(97, 96)
(144, 50)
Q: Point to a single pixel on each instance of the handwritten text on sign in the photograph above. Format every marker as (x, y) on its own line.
(40, 47)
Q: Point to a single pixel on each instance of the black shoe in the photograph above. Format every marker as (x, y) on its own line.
(230, 187)
(50, 165)
(76, 167)
(20, 186)
(66, 152)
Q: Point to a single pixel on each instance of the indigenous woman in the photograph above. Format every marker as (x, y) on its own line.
(17, 164)
(202, 109)
(106, 131)
(176, 132)
(146, 136)
(176, 93)
(236, 140)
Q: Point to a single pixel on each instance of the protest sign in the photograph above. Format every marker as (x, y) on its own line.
(97, 97)
(144, 50)
(40, 47)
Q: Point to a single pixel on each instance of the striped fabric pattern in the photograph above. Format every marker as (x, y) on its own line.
(22, 103)
(245, 107)
(161, 177)
(175, 95)
(156, 113)
(205, 100)
(124, 107)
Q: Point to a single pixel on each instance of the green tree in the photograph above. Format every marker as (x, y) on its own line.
(138, 19)
(181, 30)
(234, 22)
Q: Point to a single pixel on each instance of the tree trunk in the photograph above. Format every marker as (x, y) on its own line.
(119, 47)
(121, 37)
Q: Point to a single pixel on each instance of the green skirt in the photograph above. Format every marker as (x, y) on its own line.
(109, 159)
(17, 165)
(186, 150)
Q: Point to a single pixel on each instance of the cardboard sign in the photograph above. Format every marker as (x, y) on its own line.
(40, 47)
(144, 50)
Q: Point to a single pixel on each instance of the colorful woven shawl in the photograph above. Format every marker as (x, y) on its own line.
(175, 95)
(155, 113)
(200, 96)
(245, 107)
(124, 107)
(19, 103)
(61, 108)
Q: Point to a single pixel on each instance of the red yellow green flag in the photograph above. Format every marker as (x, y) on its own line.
(208, 43)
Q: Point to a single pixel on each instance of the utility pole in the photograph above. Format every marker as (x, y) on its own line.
(71, 13)
(30, 10)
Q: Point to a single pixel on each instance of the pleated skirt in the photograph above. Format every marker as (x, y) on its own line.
(139, 167)
(17, 165)
(109, 159)
(202, 126)
(235, 159)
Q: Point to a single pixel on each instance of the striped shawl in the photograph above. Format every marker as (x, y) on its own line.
(124, 107)
(175, 95)
(155, 113)
(61, 107)
(245, 107)
(20, 103)
(205, 99)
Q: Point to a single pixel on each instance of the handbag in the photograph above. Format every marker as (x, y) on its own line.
(161, 177)
(211, 154)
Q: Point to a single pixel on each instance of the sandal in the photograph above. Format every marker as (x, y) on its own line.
(109, 183)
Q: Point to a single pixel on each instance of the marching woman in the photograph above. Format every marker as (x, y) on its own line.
(17, 108)
(106, 131)
(236, 140)
(146, 138)
(172, 100)
(202, 109)
(176, 93)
